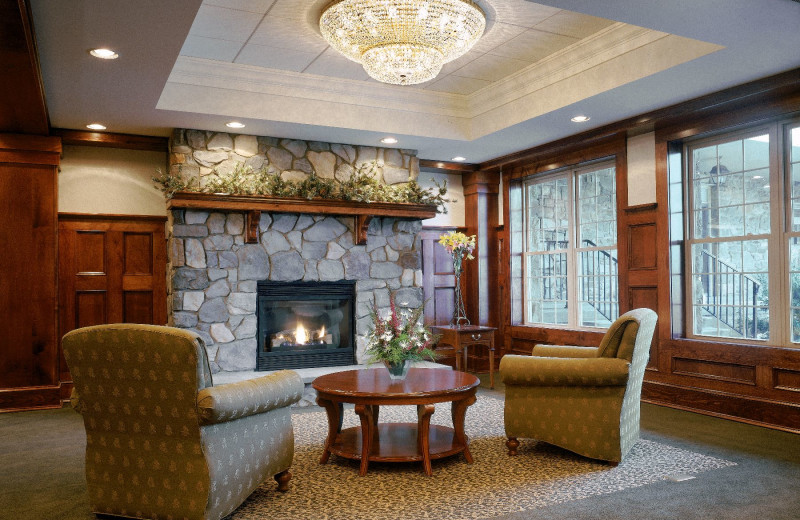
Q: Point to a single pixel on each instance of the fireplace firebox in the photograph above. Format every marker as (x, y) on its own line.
(305, 324)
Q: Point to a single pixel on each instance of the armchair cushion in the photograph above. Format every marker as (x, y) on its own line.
(545, 371)
(224, 403)
(565, 351)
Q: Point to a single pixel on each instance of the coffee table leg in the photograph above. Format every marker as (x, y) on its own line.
(365, 413)
(424, 412)
(459, 411)
(334, 411)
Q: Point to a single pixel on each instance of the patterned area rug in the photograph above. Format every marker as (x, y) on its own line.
(494, 485)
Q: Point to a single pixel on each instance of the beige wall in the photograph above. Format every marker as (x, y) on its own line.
(455, 190)
(110, 181)
(642, 169)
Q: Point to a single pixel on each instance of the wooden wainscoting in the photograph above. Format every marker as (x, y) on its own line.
(29, 345)
(111, 269)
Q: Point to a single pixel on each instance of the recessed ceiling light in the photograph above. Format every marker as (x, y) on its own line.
(580, 119)
(235, 124)
(757, 177)
(458, 158)
(389, 140)
(104, 54)
(96, 126)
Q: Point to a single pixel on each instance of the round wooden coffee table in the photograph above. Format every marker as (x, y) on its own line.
(396, 442)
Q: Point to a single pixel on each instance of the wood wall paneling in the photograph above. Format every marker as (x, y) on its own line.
(481, 219)
(28, 196)
(22, 103)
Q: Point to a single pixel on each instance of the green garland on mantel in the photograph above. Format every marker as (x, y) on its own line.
(267, 182)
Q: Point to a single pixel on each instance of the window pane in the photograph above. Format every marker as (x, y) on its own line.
(547, 289)
(598, 296)
(794, 190)
(730, 292)
(756, 152)
(548, 214)
(597, 206)
(794, 296)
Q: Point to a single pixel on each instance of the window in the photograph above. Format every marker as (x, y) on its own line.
(742, 255)
(571, 235)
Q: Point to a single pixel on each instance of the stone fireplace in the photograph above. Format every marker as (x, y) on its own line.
(214, 271)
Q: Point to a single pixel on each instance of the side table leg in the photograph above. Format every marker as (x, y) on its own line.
(367, 432)
(334, 411)
(424, 412)
(457, 350)
(459, 412)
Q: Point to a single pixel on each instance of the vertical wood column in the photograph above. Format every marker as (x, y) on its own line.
(481, 283)
(29, 363)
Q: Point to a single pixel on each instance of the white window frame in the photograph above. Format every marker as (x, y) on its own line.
(571, 174)
(778, 267)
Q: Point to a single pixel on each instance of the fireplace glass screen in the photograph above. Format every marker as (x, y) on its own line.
(305, 324)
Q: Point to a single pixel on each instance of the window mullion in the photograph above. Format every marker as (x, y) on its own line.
(572, 270)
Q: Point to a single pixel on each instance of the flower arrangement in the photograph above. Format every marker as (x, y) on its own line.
(458, 245)
(399, 337)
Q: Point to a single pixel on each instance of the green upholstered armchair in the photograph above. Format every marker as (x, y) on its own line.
(583, 399)
(161, 440)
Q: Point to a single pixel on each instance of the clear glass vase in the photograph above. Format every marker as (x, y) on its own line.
(398, 370)
(459, 314)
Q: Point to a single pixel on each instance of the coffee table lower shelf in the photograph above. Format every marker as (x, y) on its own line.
(397, 442)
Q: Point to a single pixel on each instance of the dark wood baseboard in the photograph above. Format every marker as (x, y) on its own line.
(31, 398)
(760, 412)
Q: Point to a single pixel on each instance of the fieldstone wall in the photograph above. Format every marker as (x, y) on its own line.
(214, 272)
(197, 154)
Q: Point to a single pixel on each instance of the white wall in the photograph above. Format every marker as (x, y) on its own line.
(642, 169)
(455, 190)
(110, 181)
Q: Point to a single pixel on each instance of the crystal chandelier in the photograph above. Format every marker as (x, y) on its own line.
(402, 41)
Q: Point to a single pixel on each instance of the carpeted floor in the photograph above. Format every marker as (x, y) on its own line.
(41, 456)
(495, 484)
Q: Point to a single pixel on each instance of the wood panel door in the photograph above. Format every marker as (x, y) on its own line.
(438, 280)
(111, 269)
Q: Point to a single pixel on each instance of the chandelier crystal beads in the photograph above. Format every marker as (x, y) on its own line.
(402, 42)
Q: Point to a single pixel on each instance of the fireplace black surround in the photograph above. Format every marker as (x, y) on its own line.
(305, 324)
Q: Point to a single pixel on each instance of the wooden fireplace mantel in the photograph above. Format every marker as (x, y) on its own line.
(253, 205)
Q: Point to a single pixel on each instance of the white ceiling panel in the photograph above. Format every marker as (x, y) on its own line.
(336, 67)
(532, 45)
(491, 68)
(210, 48)
(497, 34)
(573, 24)
(286, 33)
(522, 13)
(224, 24)
(253, 6)
(457, 85)
(295, 9)
(275, 58)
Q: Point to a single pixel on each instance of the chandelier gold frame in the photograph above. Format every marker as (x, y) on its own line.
(403, 42)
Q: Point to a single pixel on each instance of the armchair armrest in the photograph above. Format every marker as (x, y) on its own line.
(564, 351)
(224, 403)
(543, 371)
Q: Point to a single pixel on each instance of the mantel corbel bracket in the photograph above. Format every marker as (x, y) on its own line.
(253, 218)
(362, 224)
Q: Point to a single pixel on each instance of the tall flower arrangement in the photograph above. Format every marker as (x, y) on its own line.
(459, 246)
(400, 336)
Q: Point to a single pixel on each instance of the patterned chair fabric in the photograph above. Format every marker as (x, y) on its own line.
(583, 399)
(161, 441)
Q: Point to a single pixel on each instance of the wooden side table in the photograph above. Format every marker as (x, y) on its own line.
(460, 338)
